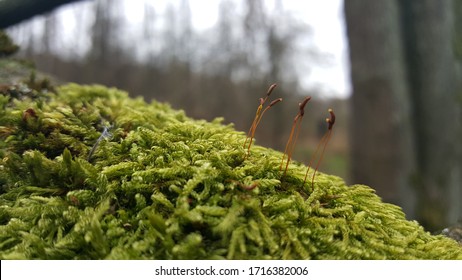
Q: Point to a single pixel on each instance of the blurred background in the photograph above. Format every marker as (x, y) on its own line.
(391, 70)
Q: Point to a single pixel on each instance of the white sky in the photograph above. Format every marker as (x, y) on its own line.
(325, 17)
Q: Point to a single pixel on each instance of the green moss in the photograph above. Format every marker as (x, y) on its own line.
(7, 47)
(159, 185)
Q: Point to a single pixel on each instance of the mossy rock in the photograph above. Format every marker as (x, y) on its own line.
(89, 173)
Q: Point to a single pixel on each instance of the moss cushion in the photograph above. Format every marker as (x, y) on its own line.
(89, 173)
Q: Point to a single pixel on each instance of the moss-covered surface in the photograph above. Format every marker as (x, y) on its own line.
(7, 47)
(88, 173)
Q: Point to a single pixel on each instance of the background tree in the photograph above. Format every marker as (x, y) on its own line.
(381, 133)
(434, 85)
(406, 123)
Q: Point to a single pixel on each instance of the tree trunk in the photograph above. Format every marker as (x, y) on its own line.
(429, 34)
(14, 11)
(382, 154)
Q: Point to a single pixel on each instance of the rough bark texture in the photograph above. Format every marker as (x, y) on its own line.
(382, 155)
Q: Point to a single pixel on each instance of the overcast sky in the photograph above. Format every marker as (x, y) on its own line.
(324, 17)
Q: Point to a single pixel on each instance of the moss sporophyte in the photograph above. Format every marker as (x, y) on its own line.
(165, 186)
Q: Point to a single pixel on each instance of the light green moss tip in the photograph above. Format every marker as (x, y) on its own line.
(159, 185)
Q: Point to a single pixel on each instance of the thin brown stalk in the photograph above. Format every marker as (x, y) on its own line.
(258, 116)
(324, 140)
(295, 130)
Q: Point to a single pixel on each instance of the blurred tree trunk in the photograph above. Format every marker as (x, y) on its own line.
(403, 51)
(382, 154)
(431, 64)
(104, 34)
(106, 60)
(14, 11)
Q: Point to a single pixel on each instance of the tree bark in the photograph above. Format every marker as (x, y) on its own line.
(429, 37)
(14, 11)
(381, 135)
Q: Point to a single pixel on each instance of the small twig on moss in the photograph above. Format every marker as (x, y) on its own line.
(324, 140)
(29, 113)
(105, 135)
(295, 129)
(258, 116)
(244, 186)
(248, 187)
